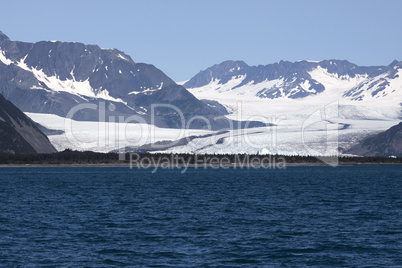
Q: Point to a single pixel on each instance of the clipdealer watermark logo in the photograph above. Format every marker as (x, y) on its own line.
(239, 142)
(174, 161)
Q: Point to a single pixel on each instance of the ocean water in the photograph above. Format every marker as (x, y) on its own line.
(107, 217)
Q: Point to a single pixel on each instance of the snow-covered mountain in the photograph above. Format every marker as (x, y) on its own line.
(303, 107)
(318, 108)
(298, 80)
(317, 124)
(53, 77)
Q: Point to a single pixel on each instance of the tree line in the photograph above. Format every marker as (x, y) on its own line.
(88, 157)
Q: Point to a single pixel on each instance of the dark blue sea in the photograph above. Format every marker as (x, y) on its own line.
(106, 217)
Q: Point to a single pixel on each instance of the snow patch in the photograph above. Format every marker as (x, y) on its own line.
(231, 89)
(146, 91)
(122, 57)
(3, 58)
(72, 86)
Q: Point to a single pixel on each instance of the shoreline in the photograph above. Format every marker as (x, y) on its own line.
(235, 166)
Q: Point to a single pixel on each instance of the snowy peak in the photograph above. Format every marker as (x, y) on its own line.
(222, 72)
(296, 80)
(106, 71)
(384, 84)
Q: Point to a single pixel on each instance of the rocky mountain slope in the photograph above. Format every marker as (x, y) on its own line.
(387, 143)
(53, 77)
(18, 134)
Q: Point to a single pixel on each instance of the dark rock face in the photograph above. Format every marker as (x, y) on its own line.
(293, 74)
(388, 143)
(18, 134)
(54, 77)
(12, 142)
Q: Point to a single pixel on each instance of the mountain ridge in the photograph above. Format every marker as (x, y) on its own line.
(53, 77)
(294, 80)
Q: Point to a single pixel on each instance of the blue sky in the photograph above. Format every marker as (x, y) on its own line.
(183, 37)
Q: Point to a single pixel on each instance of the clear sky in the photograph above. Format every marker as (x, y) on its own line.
(182, 37)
